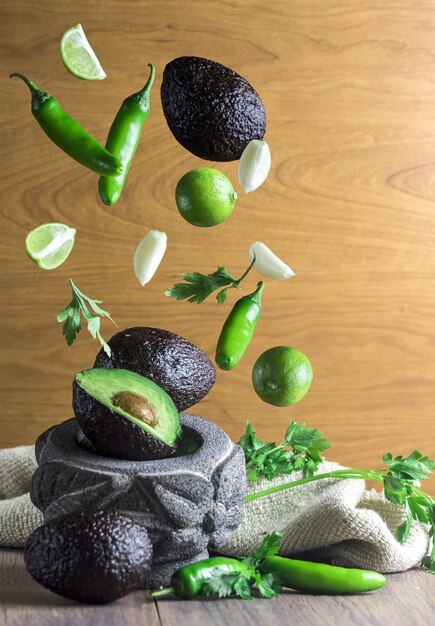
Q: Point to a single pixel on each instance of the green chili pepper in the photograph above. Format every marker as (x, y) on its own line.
(238, 329)
(66, 133)
(124, 137)
(188, 581)
(322, 578)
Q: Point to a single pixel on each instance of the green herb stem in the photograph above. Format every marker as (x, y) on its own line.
(82, 305)
(301, 451)
(245, 273)
(197, 287)
(167, 591)
(345, 473)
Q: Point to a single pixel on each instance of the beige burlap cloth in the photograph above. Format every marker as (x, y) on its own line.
(18, 516)
(338, 519)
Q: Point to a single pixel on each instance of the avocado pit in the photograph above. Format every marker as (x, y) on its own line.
(135, 405)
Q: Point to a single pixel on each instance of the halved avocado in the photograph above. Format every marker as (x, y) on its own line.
(125, 415)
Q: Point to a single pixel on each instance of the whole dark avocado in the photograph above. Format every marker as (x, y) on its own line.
(210, 109)
(179, 367)
(125, 415)
(90, 555)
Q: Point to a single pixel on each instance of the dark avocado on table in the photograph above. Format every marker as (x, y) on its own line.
(90, 555)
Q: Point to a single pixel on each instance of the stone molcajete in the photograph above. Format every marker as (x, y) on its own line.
(189, 504)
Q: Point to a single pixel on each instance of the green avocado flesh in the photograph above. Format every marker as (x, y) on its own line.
(116, 387)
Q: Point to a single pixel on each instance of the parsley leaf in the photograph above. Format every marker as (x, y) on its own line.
(300, 450)
(240, 584)
(269, 547)
(197, 287)
(401, 483)
(309, 442)
(219, 584)
(269, 585)
(402, 531)
(304, 439)
(429, 561)
(82, 305)
(414, 467)
(242, 587)
(401, 480)
(223, 584)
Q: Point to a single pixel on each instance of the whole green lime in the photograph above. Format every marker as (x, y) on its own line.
(282, 376)
(205, 197)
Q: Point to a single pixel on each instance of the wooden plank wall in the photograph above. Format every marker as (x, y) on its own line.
(349, 92)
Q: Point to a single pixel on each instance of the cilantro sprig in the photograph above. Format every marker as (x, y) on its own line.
(242, 584)
(401, 486)
(197, 287)
(234, 577)
(401, 478)
(300, 450)
(82, 305)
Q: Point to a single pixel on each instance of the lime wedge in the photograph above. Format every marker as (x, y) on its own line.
(78, 56)
(49, 245)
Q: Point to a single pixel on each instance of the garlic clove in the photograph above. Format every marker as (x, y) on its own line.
(148, 255)
(267, 263)
(254, 165)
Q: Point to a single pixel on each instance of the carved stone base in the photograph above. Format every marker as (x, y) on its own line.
(189, 504)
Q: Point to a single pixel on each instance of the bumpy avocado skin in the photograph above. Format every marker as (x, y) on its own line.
(113, 434)
(182, 369)
(210, 109)
(90, 555)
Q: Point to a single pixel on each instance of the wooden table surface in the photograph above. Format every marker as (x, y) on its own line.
(408, 599)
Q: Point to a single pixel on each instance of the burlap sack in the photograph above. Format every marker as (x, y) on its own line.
(338, 519)
(18, 516)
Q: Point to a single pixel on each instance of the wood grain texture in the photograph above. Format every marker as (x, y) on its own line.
(390, 606)
(350, 100)
(23, 601)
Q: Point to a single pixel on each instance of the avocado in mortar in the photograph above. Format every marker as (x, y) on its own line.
(90, 555)
(125, 415)
(210, 109)
(182, 369)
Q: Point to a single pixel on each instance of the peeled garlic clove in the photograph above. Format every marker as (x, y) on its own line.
(267, 263)
(254, 165)
(148, 255)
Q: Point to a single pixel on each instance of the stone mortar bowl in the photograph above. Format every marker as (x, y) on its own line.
(189, 504)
